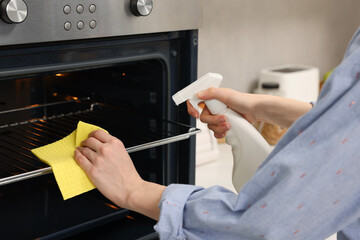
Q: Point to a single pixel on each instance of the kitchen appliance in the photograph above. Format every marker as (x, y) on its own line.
(299, 82)
(112, 63)
(294, 81)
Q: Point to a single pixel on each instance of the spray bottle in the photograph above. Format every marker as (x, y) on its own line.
(249, 148)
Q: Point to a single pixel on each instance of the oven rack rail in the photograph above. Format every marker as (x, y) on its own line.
(17, 163)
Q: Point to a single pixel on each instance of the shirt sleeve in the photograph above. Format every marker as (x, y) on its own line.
(307, 188)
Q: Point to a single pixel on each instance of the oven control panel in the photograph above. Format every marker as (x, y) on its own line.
(84, 12)
(36, 21)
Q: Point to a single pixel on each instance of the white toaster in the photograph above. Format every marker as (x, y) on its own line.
(294, 81)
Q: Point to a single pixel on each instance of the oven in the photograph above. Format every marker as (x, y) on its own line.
(112, 63)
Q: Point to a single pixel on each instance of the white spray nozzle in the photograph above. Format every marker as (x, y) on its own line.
(203, 83)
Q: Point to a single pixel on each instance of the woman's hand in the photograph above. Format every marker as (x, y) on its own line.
(217, 123)
(105, 161)
(242, 103)
(253, 107)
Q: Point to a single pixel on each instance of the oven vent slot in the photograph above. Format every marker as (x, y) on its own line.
(18, 138)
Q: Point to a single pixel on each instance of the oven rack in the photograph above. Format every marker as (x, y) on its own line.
(17, 163)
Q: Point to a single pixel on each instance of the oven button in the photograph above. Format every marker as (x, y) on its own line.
(80, 25)
(80, 9)
(141, 7)
(67, 9)
(92, 8)
(92, 24)
(13, 11)
(67, 26)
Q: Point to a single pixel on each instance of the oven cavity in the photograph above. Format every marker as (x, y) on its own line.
(125, 100)
(128, 100)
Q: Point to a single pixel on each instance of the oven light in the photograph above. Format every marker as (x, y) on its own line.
(124, 74)
(112, 206)
(130, 217)
(33, 105)
(69, 98)
(55, 94)
(61, 74)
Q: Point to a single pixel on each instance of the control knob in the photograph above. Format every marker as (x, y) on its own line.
(141, 7)
(13, 11)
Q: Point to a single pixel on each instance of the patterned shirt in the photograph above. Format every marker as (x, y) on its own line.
(307, 188)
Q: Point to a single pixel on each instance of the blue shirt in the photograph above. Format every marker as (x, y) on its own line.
(307, 188)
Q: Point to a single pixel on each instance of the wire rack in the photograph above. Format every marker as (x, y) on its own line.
(18, 138)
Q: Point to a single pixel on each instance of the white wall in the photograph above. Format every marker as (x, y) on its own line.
(240, 37)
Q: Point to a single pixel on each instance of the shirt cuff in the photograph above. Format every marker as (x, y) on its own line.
(173, 200)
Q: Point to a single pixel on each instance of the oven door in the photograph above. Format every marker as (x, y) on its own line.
(123, 85)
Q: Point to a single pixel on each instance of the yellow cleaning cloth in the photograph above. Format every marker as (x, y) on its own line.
(70, 178)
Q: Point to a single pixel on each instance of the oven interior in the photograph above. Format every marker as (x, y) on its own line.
(130, 100)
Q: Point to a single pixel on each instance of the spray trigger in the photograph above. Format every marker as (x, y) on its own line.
(195, 103)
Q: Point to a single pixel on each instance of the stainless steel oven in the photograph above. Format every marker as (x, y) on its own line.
(113, 63)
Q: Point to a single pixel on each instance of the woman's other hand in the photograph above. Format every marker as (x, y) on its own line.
(105, 161)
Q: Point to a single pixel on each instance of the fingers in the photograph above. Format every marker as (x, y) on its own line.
(101, 135)
(90, 146)
(220, 135)
(219, 129)
(217, 123)
(83, 161)
(96, 139)
(94, 149)
(191, 110)
(88, 153)
(213, 93)
(220, 94)
(92, 143)
(207, 117)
